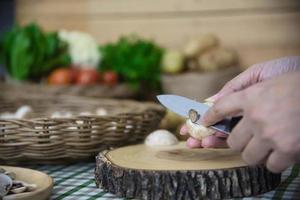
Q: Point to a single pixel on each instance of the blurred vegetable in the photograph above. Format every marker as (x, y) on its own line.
(171, 121)
(61, 76)
(217, 59)
(203, 43)
(82, 47)
(135, 60)
(28, 52)
(87, 77)
(172, 62)
(110, 78)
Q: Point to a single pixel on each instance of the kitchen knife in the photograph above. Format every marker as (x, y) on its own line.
(186, 107)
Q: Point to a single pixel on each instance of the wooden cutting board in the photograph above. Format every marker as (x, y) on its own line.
(176, 172)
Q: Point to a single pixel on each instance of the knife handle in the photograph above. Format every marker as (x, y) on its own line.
(226, 125)
(234, 121)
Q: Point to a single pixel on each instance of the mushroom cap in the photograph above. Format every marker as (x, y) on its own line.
(5, 184)
(161, 137)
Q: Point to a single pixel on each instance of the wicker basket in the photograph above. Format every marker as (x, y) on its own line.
(45, 139)
(120, 91)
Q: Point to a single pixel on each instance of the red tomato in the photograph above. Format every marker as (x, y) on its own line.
(60, 76)
(87, 77)
(110, 78)
(75, 72)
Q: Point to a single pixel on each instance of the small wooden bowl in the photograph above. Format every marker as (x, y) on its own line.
(43, 181)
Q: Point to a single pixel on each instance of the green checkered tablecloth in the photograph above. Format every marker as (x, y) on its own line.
(76, 182)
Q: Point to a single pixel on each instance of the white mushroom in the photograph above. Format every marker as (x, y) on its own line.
(161, 138)
(198, 131)
(7, 115)
(18, 190)
(12, 175)
(24, 112)
(85, 114)
(61, 114)
(101, 112)
(5, 184)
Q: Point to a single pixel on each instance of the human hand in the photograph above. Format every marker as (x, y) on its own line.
(215, 140)
(254, 74)
(259, 73)
(269, 131)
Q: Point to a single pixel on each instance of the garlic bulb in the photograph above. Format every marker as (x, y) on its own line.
(161, 137)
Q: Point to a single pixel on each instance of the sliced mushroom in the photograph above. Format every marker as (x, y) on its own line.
(18, 187)
(31, 187)
(18, 190)
(2, 170)
(5, 184)
(12, 175)
(20, 184)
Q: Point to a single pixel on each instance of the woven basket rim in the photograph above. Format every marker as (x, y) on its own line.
(141, 107)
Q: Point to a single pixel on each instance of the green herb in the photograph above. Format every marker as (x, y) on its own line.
(137, 61)
(29, 53)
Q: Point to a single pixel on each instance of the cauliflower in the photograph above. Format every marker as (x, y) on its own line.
(83, 48)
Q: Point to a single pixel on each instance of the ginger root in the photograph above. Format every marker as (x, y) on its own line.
(197, 46)
(217, 59)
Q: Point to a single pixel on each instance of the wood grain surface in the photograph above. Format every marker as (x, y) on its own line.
(176, 172)
(177, 157)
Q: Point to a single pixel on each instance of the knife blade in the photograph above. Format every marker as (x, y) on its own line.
(182, 105)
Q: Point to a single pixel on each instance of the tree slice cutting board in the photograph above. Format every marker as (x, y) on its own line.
(176, 172)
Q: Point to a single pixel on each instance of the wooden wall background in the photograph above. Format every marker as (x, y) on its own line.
(258, 29)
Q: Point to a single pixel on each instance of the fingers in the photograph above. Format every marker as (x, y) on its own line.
(213, 142)
(208, 142)
(193, 143)
(216, 140)
(278, 162)
(256, 151)
(221, 135)
(227, 106)
(183, 130)
(240, 136)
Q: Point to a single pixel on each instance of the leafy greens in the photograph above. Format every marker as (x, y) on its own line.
(29, 53)
(137, 61)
